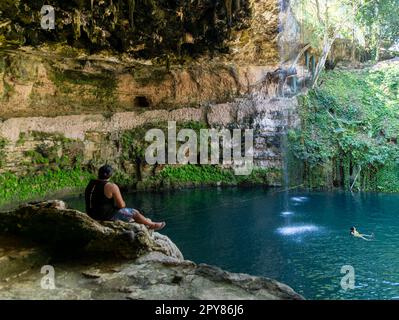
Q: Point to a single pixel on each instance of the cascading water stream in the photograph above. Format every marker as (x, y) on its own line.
(286, 178)
(289, 38)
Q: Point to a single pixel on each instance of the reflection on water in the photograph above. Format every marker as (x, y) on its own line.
(299, 199)
(250, 230)
(290, 231)
(287, 213)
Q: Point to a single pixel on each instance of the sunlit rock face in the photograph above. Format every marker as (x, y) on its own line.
(42, 83)
(118, 56)
(290, 38)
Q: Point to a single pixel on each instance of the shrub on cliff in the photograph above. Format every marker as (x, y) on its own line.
(350, 130)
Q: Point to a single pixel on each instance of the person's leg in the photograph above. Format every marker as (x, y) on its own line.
(139, 218)
(128, 215)
(365, 238)
(125, 215)
(368, 235)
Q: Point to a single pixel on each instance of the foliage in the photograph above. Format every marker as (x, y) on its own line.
(134, 144)
(352, 122)
(17, 188)
(387, 179)
(208, 175)
(322, 18)
(380, 22)
(62, 153)
(3, 143)
(197, 174)
(365, 19)
(54, 164)
(370, 23)
(324, 21)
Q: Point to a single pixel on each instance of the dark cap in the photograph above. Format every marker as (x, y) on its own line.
(105, 172)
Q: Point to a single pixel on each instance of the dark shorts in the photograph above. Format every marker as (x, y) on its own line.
(125, 214)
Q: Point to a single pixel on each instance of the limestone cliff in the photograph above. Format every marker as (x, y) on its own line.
(86, 92)
(55, 107)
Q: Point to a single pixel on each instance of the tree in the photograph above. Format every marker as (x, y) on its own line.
(324, 21)
(380, 21)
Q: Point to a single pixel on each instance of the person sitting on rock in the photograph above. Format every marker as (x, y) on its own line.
(104, 202)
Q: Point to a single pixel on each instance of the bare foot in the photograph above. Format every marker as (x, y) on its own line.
(156, 226)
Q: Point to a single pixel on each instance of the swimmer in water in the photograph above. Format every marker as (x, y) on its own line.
(357, 234)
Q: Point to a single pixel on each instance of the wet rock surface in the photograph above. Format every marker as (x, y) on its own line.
(155, 268)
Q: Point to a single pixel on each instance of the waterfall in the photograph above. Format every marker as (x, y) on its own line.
(289, 42)
(289, 46)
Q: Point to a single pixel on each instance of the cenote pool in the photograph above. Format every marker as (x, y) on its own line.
(299, 238)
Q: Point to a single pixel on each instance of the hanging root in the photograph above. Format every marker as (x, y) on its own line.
(237, 5)
(132, 7)
(229, 10)
(77, 23)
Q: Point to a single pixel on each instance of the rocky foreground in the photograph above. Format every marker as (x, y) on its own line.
(93, 260)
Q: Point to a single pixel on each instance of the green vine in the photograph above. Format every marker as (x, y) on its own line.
(350, 130)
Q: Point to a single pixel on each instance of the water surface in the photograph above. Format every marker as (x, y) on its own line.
(301, 239)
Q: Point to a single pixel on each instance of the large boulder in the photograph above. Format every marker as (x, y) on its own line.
(55, 226)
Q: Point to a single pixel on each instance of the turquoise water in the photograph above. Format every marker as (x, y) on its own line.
(299, 238)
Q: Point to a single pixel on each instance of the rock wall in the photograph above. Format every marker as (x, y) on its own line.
(39, 142)
(64, 106)
(59, 110)
(40, 83)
